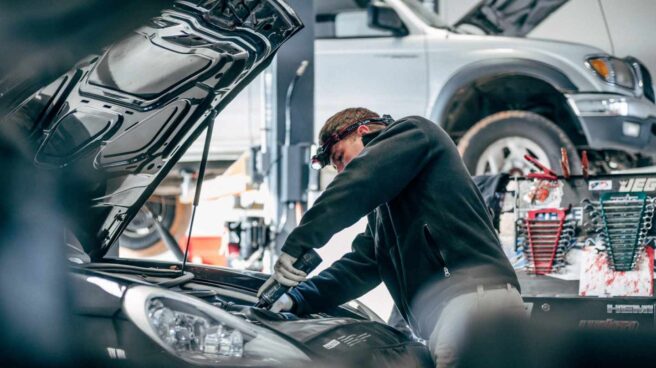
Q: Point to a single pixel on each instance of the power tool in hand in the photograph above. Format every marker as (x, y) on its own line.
(306, 263)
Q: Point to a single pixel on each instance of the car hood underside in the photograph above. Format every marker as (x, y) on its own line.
(515, 18)
(120, 121)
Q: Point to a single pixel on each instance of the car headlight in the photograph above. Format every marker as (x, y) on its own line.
(613, 70)
(203, 334)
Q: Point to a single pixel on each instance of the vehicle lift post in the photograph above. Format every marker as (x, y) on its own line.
(290, 129)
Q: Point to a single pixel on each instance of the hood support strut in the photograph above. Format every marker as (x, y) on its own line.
(199, 183)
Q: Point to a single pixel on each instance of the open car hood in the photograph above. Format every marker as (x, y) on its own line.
(119, 122)
(514, 18)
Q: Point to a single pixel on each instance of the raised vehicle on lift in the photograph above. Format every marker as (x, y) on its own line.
(119, 122)
(498, 97)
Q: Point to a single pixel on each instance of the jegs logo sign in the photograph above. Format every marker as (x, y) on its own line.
(638, 185)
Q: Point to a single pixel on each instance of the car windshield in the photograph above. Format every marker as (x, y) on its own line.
(425, 15)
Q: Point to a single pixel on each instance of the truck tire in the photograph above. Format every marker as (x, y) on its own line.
(498, 143)
(141, 238)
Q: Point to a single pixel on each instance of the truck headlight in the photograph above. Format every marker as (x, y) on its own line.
(613, 70)
(200, 333)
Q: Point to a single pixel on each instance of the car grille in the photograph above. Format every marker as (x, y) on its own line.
(648, 87)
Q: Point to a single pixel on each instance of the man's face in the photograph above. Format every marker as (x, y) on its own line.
(345, 150)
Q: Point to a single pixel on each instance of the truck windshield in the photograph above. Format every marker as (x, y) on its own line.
(426, 15)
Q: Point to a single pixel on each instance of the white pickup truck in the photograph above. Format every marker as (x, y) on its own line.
(498, 97)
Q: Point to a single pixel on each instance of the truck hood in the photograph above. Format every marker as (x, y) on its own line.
(119, 122)
(563, 48)
(510, 17)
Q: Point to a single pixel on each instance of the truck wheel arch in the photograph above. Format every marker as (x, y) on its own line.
(471, 73)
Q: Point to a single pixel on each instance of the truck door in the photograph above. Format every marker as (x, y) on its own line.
(357, 65)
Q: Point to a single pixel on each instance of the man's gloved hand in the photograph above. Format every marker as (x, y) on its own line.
(285, 273)
(283, 304)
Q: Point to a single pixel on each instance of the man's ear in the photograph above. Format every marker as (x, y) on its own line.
(363, 129)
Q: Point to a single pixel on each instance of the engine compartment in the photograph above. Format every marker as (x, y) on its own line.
(238, 299)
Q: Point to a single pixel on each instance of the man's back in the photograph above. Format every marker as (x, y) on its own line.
(431, 235)
(437, 230)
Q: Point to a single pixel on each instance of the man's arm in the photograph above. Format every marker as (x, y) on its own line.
(348, 278)
(378, 174)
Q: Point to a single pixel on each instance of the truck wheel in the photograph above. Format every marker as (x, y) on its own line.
(499, 142)
(141, 238)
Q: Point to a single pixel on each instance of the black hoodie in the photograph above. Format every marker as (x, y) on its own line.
(429, 235)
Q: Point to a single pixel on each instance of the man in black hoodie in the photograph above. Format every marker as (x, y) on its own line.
(429, 235)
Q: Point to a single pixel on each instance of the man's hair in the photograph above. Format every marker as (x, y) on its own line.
(345, 118)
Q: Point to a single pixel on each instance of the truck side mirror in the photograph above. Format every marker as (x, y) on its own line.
(382, 16)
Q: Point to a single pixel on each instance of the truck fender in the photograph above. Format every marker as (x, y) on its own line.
(468, 74)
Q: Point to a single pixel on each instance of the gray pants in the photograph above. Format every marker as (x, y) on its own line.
(454, 320)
